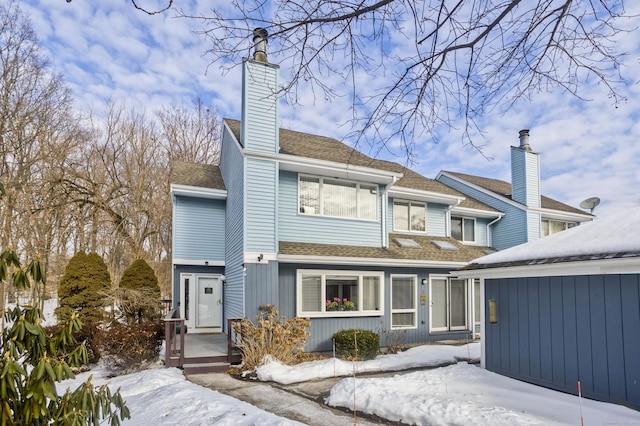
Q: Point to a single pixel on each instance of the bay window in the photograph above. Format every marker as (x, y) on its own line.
(339, 293)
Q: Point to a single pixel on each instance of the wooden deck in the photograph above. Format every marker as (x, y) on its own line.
(198, 353)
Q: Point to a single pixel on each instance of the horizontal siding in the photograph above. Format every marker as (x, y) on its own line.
(296, 227)
(436, 219)
(199, 228)
(260, 107)
(260, 226)
(322, 329)
(232, 168)
(554, 331)
(508, 231)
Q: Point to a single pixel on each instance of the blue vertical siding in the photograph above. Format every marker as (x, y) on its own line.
(261, 287)
(555, 331)
(322, 329)
(232, 168)
(260, 204)
(199, 228)
(296, 227)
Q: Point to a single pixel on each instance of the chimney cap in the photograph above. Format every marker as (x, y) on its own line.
(524, 140)
(260, 36)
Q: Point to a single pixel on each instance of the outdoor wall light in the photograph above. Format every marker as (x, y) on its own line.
(260, 257)
(493, 311)
(425, 281)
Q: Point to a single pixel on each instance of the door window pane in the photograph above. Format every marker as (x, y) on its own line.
(439, 313)
(458, 303)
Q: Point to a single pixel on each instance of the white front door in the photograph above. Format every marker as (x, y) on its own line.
(201, 302)
(209, 312)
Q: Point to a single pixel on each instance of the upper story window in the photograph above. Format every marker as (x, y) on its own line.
(337, 198)
(463, 229)
(552, 226)
(409, 216)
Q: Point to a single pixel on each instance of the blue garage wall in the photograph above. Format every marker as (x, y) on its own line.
(554, 331)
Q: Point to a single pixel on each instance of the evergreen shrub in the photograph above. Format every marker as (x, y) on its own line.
(138, 296)
(357, 344)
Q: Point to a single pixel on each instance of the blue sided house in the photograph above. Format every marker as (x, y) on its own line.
(323, 231)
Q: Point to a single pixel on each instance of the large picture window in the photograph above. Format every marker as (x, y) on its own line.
(463, 229)
(409, 216)
(339, 293)
(337, 198)
(449, 304)
(404, 301)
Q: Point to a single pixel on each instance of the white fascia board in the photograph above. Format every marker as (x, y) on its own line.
(420, 195)
(464, 211)
(197, 191)
(585, 267)
(561, 215)
(483, 190)
(294, 163)
(198, 262)
(251, 257)
(365, 261)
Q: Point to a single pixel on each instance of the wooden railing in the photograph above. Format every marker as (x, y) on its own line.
(234, 356)
(174, 346)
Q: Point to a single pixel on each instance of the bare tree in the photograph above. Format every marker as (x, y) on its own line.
(413, 66)
(37, 128)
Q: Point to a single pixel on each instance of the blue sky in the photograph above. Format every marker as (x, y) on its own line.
(108, 51)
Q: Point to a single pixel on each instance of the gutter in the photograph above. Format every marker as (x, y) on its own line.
(489, 239)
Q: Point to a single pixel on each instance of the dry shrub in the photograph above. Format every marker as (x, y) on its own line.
(274, 335)
(131, 347)
(394, 340)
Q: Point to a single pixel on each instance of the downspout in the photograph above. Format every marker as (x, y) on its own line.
(385, 205)
(447, 220)
(489, 242)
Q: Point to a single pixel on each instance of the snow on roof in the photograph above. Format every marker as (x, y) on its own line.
(618, 233)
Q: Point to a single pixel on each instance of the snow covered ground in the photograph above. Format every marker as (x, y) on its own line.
(459, 394)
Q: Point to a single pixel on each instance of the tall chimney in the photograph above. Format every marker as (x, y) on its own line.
(525, 173)
(260, 36)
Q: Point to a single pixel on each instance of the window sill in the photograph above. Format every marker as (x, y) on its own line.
(340, 314)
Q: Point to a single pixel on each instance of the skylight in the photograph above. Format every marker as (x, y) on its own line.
(406, 243)
(445, 245)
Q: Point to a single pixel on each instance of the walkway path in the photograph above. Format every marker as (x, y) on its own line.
(301, 401)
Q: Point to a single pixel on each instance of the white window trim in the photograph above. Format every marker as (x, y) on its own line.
(468, 301)
(338, 314)
(549, 220)
(475, 229)
(413, 310)
(321, 199)
(409, 231)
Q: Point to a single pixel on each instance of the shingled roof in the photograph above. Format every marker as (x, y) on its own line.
(427, 250)
(329, 149)
(198, 175)
(503, 189)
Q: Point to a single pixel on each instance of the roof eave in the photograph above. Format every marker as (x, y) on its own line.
(365, 261)
(197, 191)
